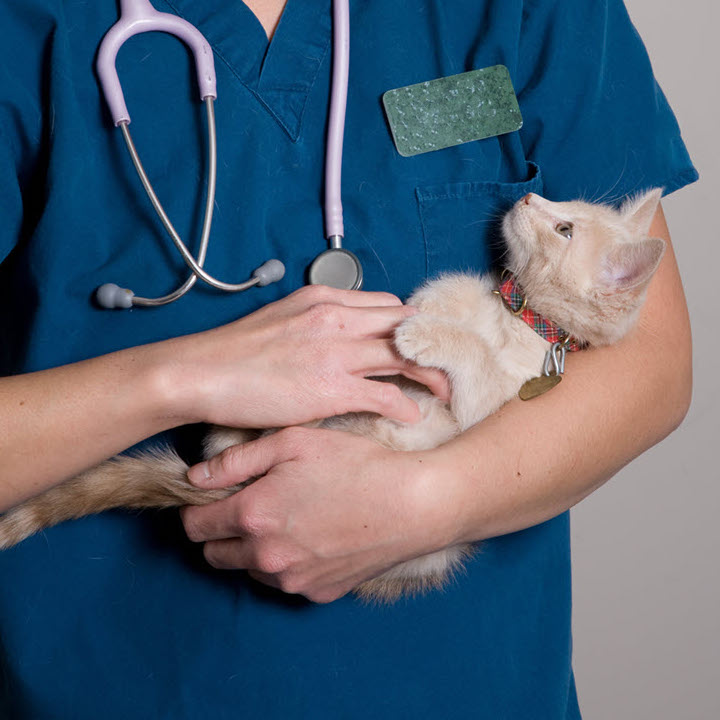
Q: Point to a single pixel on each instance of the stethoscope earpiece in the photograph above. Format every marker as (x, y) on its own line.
(111, 296)
(269, 272)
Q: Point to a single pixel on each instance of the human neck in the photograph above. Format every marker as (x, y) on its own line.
(268, 12)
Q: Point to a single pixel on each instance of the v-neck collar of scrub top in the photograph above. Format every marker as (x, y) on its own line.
(278, 73)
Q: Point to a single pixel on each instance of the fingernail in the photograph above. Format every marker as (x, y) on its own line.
(200, 475)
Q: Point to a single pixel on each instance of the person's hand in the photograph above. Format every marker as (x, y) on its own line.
(331, 510)
(299, 359)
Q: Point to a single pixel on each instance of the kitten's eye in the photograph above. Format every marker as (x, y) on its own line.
(565, 229)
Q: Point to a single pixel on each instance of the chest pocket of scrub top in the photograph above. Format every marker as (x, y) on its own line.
(461, 221)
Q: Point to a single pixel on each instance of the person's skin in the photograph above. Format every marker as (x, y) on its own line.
(295, 360)
(333, 509)
(268, 12)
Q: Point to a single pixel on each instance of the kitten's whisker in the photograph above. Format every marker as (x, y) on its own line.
(607, 193)
(488, 217)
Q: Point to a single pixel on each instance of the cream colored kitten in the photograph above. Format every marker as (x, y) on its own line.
(586, 267)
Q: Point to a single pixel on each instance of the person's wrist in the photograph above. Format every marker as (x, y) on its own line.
(436, 497)
(165, 384)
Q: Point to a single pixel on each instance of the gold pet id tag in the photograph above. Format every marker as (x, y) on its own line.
(537, 386)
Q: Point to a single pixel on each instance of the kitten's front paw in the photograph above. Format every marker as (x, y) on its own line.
(429, 341)
(453, 296)
(413, 337)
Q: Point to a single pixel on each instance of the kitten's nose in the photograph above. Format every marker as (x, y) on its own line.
(527, 198)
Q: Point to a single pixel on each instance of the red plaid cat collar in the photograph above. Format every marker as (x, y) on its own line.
(512, 296)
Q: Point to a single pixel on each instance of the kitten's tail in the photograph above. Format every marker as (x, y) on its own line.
(156, 478)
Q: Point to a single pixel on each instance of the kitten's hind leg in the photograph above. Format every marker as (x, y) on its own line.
(416, 577)
(152, 479)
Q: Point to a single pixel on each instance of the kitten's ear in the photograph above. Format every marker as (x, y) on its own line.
(639, 211)
(629, 266)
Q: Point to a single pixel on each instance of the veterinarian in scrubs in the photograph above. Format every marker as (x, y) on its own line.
(120, 615)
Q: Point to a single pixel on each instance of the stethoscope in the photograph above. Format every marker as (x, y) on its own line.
(336, 266)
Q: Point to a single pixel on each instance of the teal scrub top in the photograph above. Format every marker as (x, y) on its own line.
(117, 615)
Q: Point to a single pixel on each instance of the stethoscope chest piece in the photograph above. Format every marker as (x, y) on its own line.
(338, 268)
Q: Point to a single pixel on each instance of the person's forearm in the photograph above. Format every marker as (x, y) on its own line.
(533, 460)
(57, 422)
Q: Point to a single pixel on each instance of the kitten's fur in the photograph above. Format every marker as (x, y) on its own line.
(592, 285)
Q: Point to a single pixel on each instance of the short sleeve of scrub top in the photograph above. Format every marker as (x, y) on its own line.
(117, 615)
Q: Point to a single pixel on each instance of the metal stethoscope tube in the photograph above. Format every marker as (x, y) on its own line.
(111, 295)
(196, 267)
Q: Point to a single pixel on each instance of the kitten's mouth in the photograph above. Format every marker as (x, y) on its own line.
(517, 228)
(519, 217)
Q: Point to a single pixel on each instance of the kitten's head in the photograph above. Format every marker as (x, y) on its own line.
(584, 266)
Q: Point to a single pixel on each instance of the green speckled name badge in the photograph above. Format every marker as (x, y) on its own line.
(452, 110)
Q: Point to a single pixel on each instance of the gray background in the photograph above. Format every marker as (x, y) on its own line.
(645, 570)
